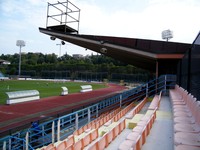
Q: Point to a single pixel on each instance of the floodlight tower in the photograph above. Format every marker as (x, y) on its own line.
(167, 34)
(21, 44)
(61, 43)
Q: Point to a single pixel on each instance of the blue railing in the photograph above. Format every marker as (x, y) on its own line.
(61, 127)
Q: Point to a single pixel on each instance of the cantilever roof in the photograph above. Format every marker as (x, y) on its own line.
(138, 52)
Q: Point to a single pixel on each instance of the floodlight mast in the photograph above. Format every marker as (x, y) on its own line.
(21, 44)
(167, 34)
(61, 43)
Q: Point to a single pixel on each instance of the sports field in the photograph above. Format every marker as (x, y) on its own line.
(46, 88)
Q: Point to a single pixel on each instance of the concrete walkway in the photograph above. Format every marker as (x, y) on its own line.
(161, 134)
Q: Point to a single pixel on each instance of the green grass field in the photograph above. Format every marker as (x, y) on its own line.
(46, 88)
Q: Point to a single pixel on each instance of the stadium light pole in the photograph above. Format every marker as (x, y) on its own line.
(21, 44)
(61, 43)
(59, 49)
(167, 34)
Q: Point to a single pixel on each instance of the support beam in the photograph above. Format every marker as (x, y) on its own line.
(89, 115)
(53, 132)
(120, 100)
(27, 140)
(4, 145)
(76, 121)
(58, 130)
(147, 90)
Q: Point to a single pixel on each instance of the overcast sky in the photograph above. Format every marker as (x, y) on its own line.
(144, 19)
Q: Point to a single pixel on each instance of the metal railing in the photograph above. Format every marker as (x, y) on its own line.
(61, 127)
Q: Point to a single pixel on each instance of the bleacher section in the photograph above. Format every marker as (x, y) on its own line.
(99, 133)
(186, 111)
(141, 129)
(103, 131)
(149, 123)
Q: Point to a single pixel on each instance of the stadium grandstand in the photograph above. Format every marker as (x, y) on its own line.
(163, 113)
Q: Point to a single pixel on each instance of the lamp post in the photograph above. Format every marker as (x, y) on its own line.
(59, 49)
(21, 44)
(167, 34)
(61, 43)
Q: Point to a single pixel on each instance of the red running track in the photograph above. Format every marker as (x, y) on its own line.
(16, 115)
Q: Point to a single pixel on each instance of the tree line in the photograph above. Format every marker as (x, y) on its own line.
(94, 67)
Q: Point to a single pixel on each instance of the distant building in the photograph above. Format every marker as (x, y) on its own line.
(4, 62)
(77, 56)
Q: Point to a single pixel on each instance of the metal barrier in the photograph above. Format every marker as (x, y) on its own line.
(60, 128)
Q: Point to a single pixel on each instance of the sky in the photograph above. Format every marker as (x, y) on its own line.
(143, 19)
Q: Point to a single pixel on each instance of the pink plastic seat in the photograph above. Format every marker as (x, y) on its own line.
(186, 147)
(70, 141)
(142, 130)
(108, 123)
(62, 146)
(94, 135)
(122, 126)
(185, 109)
(102, 143)
(109, 137)
(155, 103)
(132, 136)
(78, 145)
(185, 135)
(193, 128)
(180, 141)
(116, 131)
(49, 147)
(130, 144)
(182, 114)
(70, 148)
(93, 147)
(188, 120)
(86, 140)
(80, 130)
(126, 145)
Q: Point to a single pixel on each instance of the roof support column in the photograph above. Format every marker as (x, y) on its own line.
(156, 69)
(156, 76)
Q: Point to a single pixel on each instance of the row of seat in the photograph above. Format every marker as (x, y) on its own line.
(106, 119)
(137, 137)
(105, 139)
(108, 137)
(155, 102)
(95, 124)
(186, 116)
(111, 133)
(71, 142)
(62, 145)
(136, 109)
(83, 142)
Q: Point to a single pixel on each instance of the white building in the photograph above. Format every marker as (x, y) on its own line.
(4, 62)
(77, 56)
